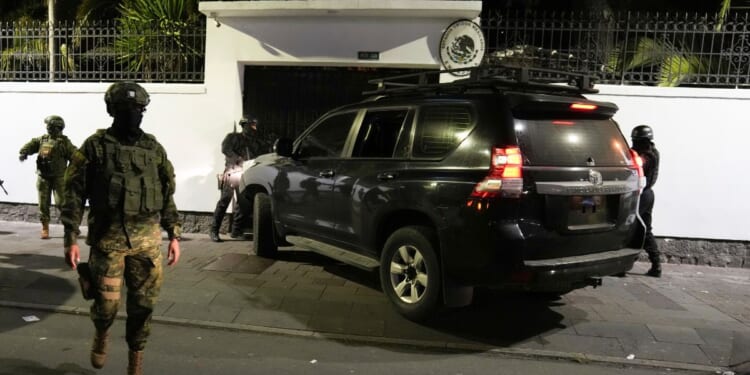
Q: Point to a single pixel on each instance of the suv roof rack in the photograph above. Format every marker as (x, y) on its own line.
(487, 76)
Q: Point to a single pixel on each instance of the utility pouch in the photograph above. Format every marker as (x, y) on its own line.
(221, 179)
(84, 280)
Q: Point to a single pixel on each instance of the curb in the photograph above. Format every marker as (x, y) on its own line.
(581, 358)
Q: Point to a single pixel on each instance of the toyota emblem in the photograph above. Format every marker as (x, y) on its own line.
(595, 178)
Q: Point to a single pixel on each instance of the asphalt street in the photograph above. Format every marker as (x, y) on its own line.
(58, 344)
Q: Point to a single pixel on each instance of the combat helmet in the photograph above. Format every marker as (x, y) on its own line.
(121, 93)
(54, 121)
(642, 132)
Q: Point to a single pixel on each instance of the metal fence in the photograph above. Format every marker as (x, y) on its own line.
(665, 49)
(103, 51)
(632, 48)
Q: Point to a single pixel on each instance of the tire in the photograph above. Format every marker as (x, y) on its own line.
(410, 274)
(264, 244)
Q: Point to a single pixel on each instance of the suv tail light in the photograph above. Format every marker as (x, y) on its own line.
(505, 177)
(638, 164)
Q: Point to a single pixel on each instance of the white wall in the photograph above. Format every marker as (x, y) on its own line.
(179, 116)
(700, 132)
(702, 135)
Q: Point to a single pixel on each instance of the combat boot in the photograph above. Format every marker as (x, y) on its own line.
(135, 362)
(99, 349)
(654, 271)
(45, 231)
(214, 235)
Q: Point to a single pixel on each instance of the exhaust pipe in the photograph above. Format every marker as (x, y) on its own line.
(594, 281)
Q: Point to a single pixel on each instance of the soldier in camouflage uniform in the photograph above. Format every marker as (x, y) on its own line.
(125, 175)
(237, 148)
(55, 151)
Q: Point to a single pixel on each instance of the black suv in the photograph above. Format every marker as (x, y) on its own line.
(505, 179)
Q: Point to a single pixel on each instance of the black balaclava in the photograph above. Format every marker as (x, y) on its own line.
(54, 131)
(126, 126)
(248, 129)
(642, 144)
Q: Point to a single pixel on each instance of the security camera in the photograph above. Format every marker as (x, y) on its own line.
(216, 18)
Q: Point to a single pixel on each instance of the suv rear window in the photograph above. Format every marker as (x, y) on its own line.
(441, 129)
(572, 142)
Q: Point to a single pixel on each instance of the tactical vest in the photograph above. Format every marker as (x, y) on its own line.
(49, 162)
(128, 176)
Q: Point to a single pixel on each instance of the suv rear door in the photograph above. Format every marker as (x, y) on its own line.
(581, 178)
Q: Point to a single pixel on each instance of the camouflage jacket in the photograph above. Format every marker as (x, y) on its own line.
(129, 189)
(54, 154)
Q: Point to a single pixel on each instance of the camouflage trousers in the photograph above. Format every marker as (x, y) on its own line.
(142, 271)
(46, 186)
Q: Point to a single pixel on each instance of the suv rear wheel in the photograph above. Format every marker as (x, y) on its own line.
(410, 272)
(263, 235)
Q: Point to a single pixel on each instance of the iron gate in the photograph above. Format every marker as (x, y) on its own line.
(286, 100)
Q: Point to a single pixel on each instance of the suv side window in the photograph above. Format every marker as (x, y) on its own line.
(327, 139)
(379, 133)
(440, 129)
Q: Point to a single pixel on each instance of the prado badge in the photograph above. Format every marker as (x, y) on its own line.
(462, 46)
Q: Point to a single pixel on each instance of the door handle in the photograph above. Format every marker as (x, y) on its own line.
(386, 176)
(328, 173)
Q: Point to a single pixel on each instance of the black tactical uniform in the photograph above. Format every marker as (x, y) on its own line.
(237, 148)
(642, 137)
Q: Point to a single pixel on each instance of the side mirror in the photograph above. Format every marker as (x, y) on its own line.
(283, 147)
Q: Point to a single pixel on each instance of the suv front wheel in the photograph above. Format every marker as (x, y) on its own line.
(410, 272)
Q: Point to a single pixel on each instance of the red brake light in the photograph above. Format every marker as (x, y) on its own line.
(505, 176)
(583, 107)
(560, 122)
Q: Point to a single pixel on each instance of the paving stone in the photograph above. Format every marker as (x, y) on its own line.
(740, 348)
(196, 311)
(233, 298)
(334, 324)
(653, 298)
(364, 327)
(614, 329)
(665, 351)
(605, 346)
(273, 318)
(187, 294)
(684, 335)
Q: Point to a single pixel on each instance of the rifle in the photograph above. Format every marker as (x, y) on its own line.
(1, 186)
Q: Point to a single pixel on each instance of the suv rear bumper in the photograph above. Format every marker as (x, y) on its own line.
(583, 260)
(568, 273)
(555, 274)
